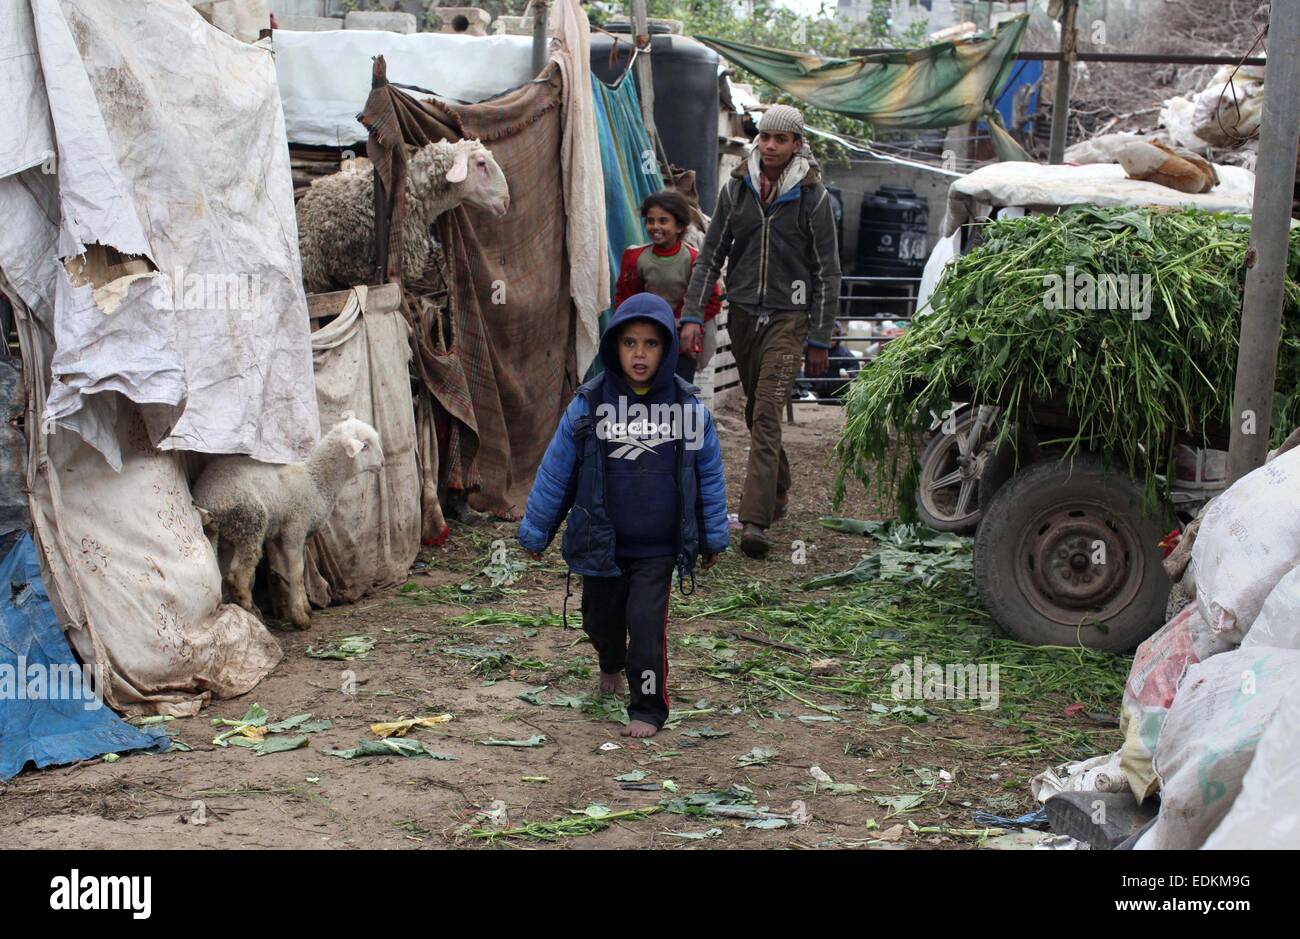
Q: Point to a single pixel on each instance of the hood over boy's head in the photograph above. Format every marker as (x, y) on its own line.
(640, 369)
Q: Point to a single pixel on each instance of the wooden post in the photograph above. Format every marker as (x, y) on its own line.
(1061, 105)
(640, 29)
(1261, 314)
(379, 78)
(541, 41)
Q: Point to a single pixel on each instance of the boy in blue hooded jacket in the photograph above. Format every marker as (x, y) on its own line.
(636, 468)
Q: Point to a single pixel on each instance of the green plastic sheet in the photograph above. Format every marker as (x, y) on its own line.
(943, 85)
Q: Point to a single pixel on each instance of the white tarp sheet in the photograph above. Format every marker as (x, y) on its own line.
(148, 148)
(325, 76)
(373, 535)
(1032, 184)
(169, 149)
(584, 191)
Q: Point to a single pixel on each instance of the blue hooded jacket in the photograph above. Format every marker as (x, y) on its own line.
(631, 491)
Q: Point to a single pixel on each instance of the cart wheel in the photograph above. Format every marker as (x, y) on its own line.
(948, 487)
(1065, 555)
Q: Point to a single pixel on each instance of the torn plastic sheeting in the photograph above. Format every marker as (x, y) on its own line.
(180, 160)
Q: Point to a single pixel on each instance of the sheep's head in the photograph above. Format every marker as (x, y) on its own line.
(469, 169)
(359, 442)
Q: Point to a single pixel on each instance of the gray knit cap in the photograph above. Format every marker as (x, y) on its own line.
(781, 119)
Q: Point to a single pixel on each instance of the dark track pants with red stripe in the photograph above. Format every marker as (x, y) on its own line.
(626, 618)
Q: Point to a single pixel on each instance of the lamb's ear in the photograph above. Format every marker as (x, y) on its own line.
(460, 168)
(353, 446)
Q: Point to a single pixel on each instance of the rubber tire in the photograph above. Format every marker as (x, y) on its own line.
(933, 444)
(1000, 467)
(1017, 502)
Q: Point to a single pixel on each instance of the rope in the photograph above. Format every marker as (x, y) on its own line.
(1218, 114)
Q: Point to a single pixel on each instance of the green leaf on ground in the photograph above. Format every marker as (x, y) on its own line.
(289, 723)
(342, 648)
(279, 744)
(709, 733)
(390, 746)
(536, 740)
(531, 695)
(900, 804)
(757, 756)
(696, 835)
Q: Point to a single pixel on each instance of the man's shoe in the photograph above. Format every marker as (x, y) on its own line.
(782, 508)
(754, 542)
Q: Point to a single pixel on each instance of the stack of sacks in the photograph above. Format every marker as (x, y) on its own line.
(1249, 539)
(1223, 707)
(1265, 815)
(1158, 668)
(1207, 729)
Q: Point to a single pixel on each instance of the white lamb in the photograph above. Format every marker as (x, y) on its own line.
(336, 216)
(249, 503)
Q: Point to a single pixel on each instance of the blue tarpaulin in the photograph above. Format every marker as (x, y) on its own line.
(49, 714)
(631, 172)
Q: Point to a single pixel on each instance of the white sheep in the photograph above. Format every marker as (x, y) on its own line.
(336, 216)
(249, 503)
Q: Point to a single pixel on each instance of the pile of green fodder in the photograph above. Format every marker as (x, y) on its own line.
(1130, 317)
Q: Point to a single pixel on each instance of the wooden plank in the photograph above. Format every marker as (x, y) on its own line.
(728, 376)
(380, 296)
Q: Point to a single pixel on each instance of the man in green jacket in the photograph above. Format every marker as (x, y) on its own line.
(774, 228)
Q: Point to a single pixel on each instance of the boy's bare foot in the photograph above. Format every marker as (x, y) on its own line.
(611, 682)
(639, 729)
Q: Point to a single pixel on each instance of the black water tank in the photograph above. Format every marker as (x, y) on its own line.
(686, 101)
(892, 231)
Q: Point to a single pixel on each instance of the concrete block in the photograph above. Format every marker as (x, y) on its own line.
(471, 21)
(512, 26)
(295, 8)
(379, 20)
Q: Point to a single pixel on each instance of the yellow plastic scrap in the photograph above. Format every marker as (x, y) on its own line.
(398, 728)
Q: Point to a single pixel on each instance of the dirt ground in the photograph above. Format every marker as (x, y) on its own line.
(307, 798)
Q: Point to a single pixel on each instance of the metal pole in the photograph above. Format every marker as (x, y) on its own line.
(541, 45)
(645, 84)
(1061, 105)
(1261, 315)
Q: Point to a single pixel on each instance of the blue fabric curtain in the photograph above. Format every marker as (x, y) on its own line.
(627, 159)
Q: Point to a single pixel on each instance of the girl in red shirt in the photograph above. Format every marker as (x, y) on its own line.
(663, 267)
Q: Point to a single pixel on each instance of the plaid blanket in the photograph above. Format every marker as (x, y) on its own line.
(508, 369)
